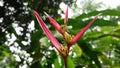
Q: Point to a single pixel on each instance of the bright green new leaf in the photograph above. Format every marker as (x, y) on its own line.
(56, 64)
(77, 50)
(70, 63)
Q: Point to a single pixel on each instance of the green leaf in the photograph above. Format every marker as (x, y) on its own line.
(45, 42)
(110, 12)
(88, 50)
(56, 64)
(70, 63)
(77, 50)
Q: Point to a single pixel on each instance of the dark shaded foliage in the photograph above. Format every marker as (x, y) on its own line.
(20, 12)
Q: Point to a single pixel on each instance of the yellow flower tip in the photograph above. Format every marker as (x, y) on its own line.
(63, 28)
(64, 50)
(67, 37)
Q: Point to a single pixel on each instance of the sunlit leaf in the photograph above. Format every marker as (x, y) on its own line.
(56, 64)
(77, 50)
(70, 63)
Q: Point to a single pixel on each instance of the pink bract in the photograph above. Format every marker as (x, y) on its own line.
(80, 34)
(54, 41)
(66, 16)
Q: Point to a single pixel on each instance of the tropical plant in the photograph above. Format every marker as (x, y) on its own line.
(68, 39)
(24, 46)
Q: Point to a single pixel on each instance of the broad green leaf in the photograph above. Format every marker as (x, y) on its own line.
(70, 63)
(77, 50)
(110, 12)
(106, 41)
(56, 64)
(78, 24)
(88, 50)
(92, 35)
(44, 41)
(116, 66)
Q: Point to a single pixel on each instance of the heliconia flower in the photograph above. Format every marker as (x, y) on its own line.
(62, 29)
(70, 40)
(66, 16)
(80, 34)
(54, 41)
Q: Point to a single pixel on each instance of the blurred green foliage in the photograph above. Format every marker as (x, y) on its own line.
(99, 47)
